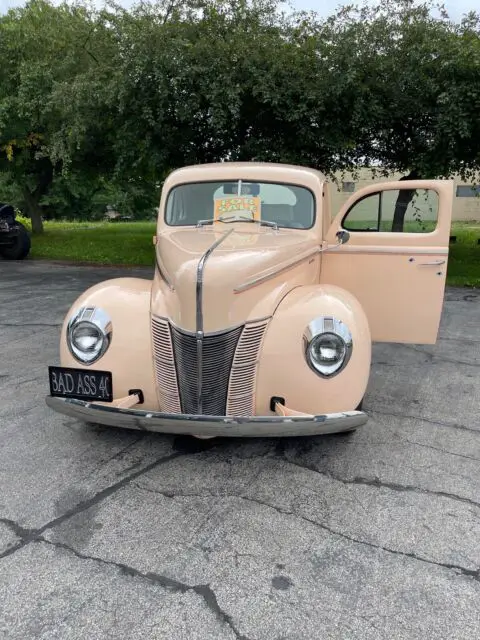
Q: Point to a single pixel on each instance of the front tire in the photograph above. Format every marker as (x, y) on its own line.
(20, 247)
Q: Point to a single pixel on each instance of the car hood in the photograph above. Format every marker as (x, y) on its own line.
(230, 274)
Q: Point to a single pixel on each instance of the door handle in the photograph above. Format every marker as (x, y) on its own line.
(434, 263)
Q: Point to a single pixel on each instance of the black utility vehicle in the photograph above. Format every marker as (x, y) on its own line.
(14, 238)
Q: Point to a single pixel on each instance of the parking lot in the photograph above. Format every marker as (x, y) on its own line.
(107, 533)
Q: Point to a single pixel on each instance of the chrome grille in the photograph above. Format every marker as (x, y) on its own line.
(230, 361)
(241, 389)
(165, 372)
(218, 354)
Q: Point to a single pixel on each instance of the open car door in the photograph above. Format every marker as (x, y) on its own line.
(395, 260)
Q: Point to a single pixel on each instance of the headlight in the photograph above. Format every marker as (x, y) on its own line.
(89, 334)
(328, 345)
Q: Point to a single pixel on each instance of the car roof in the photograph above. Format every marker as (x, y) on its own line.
(249, 170)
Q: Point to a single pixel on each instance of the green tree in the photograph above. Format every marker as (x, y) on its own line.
(43, 48)
(102, 105)
(418, 76)
(225, 80)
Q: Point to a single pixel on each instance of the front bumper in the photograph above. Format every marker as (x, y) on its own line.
(256, 426)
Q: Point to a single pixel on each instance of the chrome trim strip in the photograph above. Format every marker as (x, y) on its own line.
(441, 251)
(274, 271)
(229, 426)
(212, 333)
(199, 311)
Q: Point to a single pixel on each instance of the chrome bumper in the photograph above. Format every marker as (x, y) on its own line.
(256, 426)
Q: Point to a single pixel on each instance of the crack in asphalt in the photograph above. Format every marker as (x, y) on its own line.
(464, 340)
(401, 488)
(383, 363)
(447, 451)
(30, 324)
(203, 590)
(39, 377)
(379, 484)
(434, 358)
(31, 535)
(35, 281)
(17, 529)
(471, 573)
(19, 414)
(122, 451)
(438, 423)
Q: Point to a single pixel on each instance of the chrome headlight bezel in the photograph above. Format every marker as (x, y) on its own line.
(320, 328)
(94, 317)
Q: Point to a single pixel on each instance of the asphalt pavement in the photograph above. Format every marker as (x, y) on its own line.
(108, 533)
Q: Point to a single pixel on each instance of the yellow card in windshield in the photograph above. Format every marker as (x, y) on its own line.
(237, 205)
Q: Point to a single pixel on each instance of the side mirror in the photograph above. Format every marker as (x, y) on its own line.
(343, 236)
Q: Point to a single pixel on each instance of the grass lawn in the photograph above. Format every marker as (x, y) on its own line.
(464, 256)
(109, 243)
(125, 243)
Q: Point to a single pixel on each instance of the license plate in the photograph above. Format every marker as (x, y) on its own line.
(80, 383)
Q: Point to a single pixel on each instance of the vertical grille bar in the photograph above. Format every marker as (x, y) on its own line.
(165, 372)
(243, 376)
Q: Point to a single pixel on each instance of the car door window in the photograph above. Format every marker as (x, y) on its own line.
(394, 210)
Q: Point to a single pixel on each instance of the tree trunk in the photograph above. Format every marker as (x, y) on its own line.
(44, 177)
(404, 198)
(34, 211)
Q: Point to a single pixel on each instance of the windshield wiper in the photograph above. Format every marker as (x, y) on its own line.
(267, 223)
(227, 219)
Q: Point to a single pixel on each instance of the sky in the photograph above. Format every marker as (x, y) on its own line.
(455, 8)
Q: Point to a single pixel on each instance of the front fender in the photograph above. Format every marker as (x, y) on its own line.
(129, 357)
(283, 370)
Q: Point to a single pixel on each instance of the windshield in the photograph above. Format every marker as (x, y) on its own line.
(285, 204)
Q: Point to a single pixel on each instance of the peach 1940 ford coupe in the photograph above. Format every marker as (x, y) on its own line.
(263, 307)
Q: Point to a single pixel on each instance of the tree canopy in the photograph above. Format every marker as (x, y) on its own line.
(97, 106)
